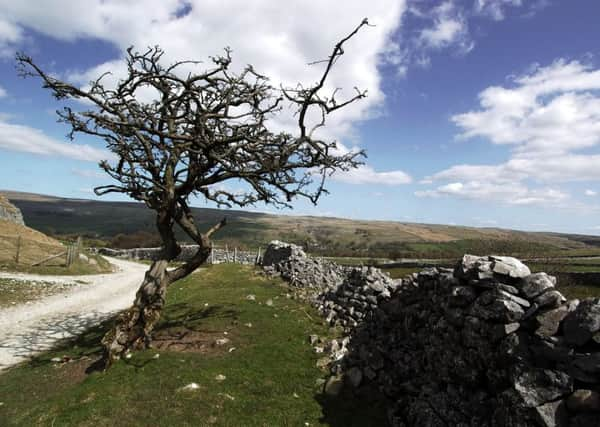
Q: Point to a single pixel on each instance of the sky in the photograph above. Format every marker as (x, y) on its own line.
(479, 112)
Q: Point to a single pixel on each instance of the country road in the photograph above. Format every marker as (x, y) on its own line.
(26, 330)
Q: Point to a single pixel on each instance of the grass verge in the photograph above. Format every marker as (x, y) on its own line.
(270, 375)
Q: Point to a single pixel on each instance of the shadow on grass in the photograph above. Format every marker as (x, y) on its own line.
(80, 336)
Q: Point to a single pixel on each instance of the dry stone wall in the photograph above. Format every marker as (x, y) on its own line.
(187, 251)
(484, 344)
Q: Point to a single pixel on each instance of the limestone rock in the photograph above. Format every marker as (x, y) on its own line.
(536, 284)
(539, 386)
(549, 321)
(509, 266)
(581, 324)
(549, 299)
(334, 385)
(278, 251)
(552, 414)
(10, 212)
(584, 401)
(354, 376)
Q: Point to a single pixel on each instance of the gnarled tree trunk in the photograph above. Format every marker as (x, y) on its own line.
(133, 328)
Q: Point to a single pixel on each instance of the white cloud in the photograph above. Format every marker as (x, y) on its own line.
(268, 35)
(29, 140)
(2, 92)
(590, 193)
(513, 193)
(495, 9)
(449, 28)
(548, 117)
(10, 35)
(367, 175)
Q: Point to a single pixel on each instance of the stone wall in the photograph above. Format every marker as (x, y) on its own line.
(484, 344)
(187, 251)
(10, 212)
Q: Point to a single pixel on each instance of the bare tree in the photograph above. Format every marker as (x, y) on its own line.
(200, 131)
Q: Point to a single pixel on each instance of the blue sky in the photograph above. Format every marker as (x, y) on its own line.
(483, 112)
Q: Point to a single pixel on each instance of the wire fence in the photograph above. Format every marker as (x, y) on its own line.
(19, 249)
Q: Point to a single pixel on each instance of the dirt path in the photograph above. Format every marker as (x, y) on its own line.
(29, 329)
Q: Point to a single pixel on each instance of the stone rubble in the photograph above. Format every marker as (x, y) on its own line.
(485, 344)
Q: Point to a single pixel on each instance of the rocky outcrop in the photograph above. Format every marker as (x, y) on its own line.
(484, 344)
(10, 212)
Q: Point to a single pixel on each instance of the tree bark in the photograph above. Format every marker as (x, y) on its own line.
(133, 328)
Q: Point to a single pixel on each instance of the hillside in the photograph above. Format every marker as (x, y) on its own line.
(332, 236)
(34, 245)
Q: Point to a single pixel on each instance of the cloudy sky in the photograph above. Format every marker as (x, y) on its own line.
(480, 112)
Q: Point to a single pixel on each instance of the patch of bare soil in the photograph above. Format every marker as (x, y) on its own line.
(73, 371)
(186, 340)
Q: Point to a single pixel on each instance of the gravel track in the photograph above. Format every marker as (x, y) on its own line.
(26, 330)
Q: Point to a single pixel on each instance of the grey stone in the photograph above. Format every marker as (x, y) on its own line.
(539, 386)
(552, 414)
(10, 212)
(580, 325)
(498, 310)
(509, 266)
(461, 296)
(354, 376)
(279, 251)
(499, 331)
(549, 299)
(536, 284)
(583, 400)
(589, 363)
(549, 321)
(334, 385)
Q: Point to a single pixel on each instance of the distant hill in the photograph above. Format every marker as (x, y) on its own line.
(332, 236)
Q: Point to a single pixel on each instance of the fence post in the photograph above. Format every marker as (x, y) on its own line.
(78, 248)
(258, 257)
(226, 253)
(234, 255)
(18, 249)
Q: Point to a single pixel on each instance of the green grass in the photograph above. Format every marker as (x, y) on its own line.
(572, 291)
(401, 272)
(270, 376)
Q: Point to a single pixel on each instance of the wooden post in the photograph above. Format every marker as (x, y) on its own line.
(78, 248)
(226, 253)
(258, 257)
(18, 249)
(234, 255)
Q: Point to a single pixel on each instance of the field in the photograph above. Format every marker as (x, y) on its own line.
(106, 223)
(268, 369)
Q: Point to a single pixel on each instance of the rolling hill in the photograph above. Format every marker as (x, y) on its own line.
(322, 235)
